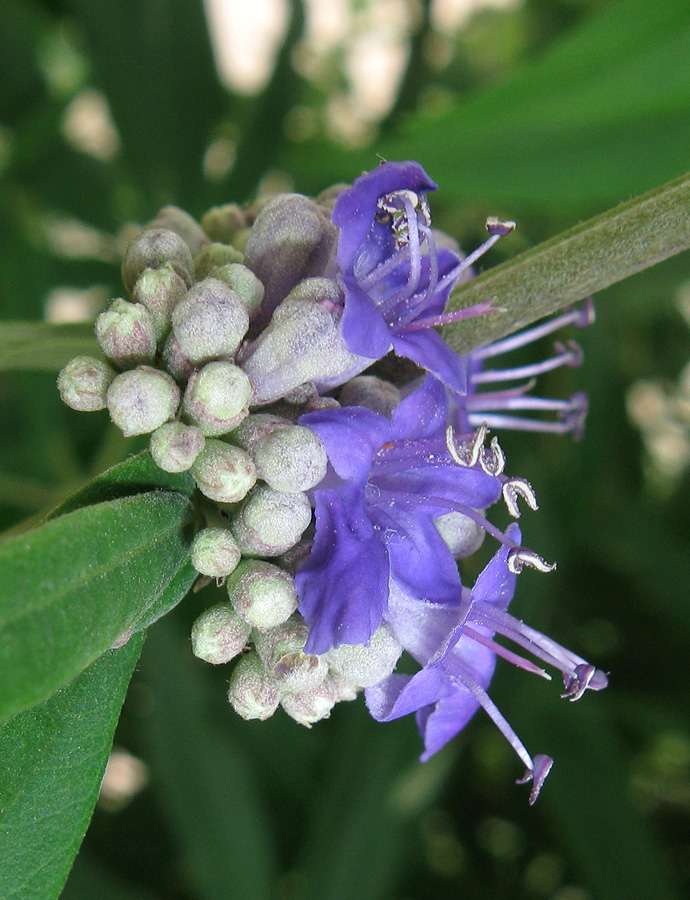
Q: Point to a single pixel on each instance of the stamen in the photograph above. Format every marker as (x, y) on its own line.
(467, 453)
(523, 556)
(537, 775)
(497, 230)
(522, 423)
(493, 461)
(585, 676)
(506, 654)
(469, 312)
(518, 487)
(570, 356)
(580, 317)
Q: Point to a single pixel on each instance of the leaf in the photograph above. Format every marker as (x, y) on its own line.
(71, 588)
(52, 759)
(41, 346)
(569, 267)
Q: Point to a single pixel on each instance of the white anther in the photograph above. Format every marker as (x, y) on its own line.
(518, 487)
(466, 454)
(493, 461)
(522, 556)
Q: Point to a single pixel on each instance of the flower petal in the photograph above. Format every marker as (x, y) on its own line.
(350, 435)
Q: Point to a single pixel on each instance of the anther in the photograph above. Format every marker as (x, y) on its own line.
(522, 556)
(518, 487)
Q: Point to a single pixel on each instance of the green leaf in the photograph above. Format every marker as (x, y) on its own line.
(41, 346)
(52, 759)
(569, 267)
(73, 587)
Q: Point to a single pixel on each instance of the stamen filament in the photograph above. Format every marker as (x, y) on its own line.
(506, 654)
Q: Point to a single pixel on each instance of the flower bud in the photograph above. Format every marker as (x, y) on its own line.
(219, 635)
(281, 649)
(154, 249)
(84, 382)
(214, 255)
(364, 665)
(291, 239)
(372, 393)
(175, 361)
(462, 535)
(245, 284)
(159, 290)
(126, 333)
(181, 223)
(174, 446)
(255, 427)
(270, 522)
(291, 459)
(223, 473)
(262, 594)
(303, 343)
(210, 322)
(309, 707)
(221, 223)
(253, 692)
(217, 397)
(142, 399)
(214, 552)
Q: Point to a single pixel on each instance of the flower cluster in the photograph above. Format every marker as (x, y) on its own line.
(337, 503)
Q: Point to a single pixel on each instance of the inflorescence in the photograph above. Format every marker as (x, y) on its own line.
(336, 503)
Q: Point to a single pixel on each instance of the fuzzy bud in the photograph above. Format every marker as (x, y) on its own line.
(223, 473)
(154, 249)
(217, 397)
(309, 707)
(142, 399)
(214, 552)
(159, 290)
(222, 223)
(270, 522)
(219, 635)
(364, 665)
(253, 692)
(210, 322)
(175, 361)
(179, 221)
(245, 284)
(84, 382)
(303, 343)
(462, 535)
(282, 651)
(262, 594)
(291, 239)
(213, 256)
(372, 393)
(256, 427)
(291, 459)
(174, 446)
(126, 333)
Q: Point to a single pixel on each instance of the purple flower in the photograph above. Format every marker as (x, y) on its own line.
(457, 650)
(391, 480)
(396, 281)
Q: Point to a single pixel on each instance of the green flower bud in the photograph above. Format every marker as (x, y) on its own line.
(179, 221)
(159, 290)
(253, 692)
(154, 249)
(126, 333)
(224, 473)
(212, 256)
(214, 552)
(222, 223)
(175, 361)
(270, 522)
(364, 665)
(291, 239)
(219, 635)
(372, 393)
(142, 399)
(245, 284)
(281, 649)
(210, 322)
(84, 382)
(309, 707)
(263, 594)
(291, 459)
(175, 446)
(462, 535)
(217, 397)
(255, 427)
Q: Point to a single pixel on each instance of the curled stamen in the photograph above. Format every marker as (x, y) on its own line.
(495, 226)
(523, 556)
(493, 460)
(584, 676)
(518, 487)
(537, 775)
(466, 454)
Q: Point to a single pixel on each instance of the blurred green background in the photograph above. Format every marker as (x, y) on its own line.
(547, 112)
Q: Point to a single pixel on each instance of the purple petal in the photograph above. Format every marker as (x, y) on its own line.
(350, 435)
(428, 349)
(399, 695)
(495, 584)
(363, 326)
(421, 628)
(440, 723)
(343, 585)
(422, 414)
